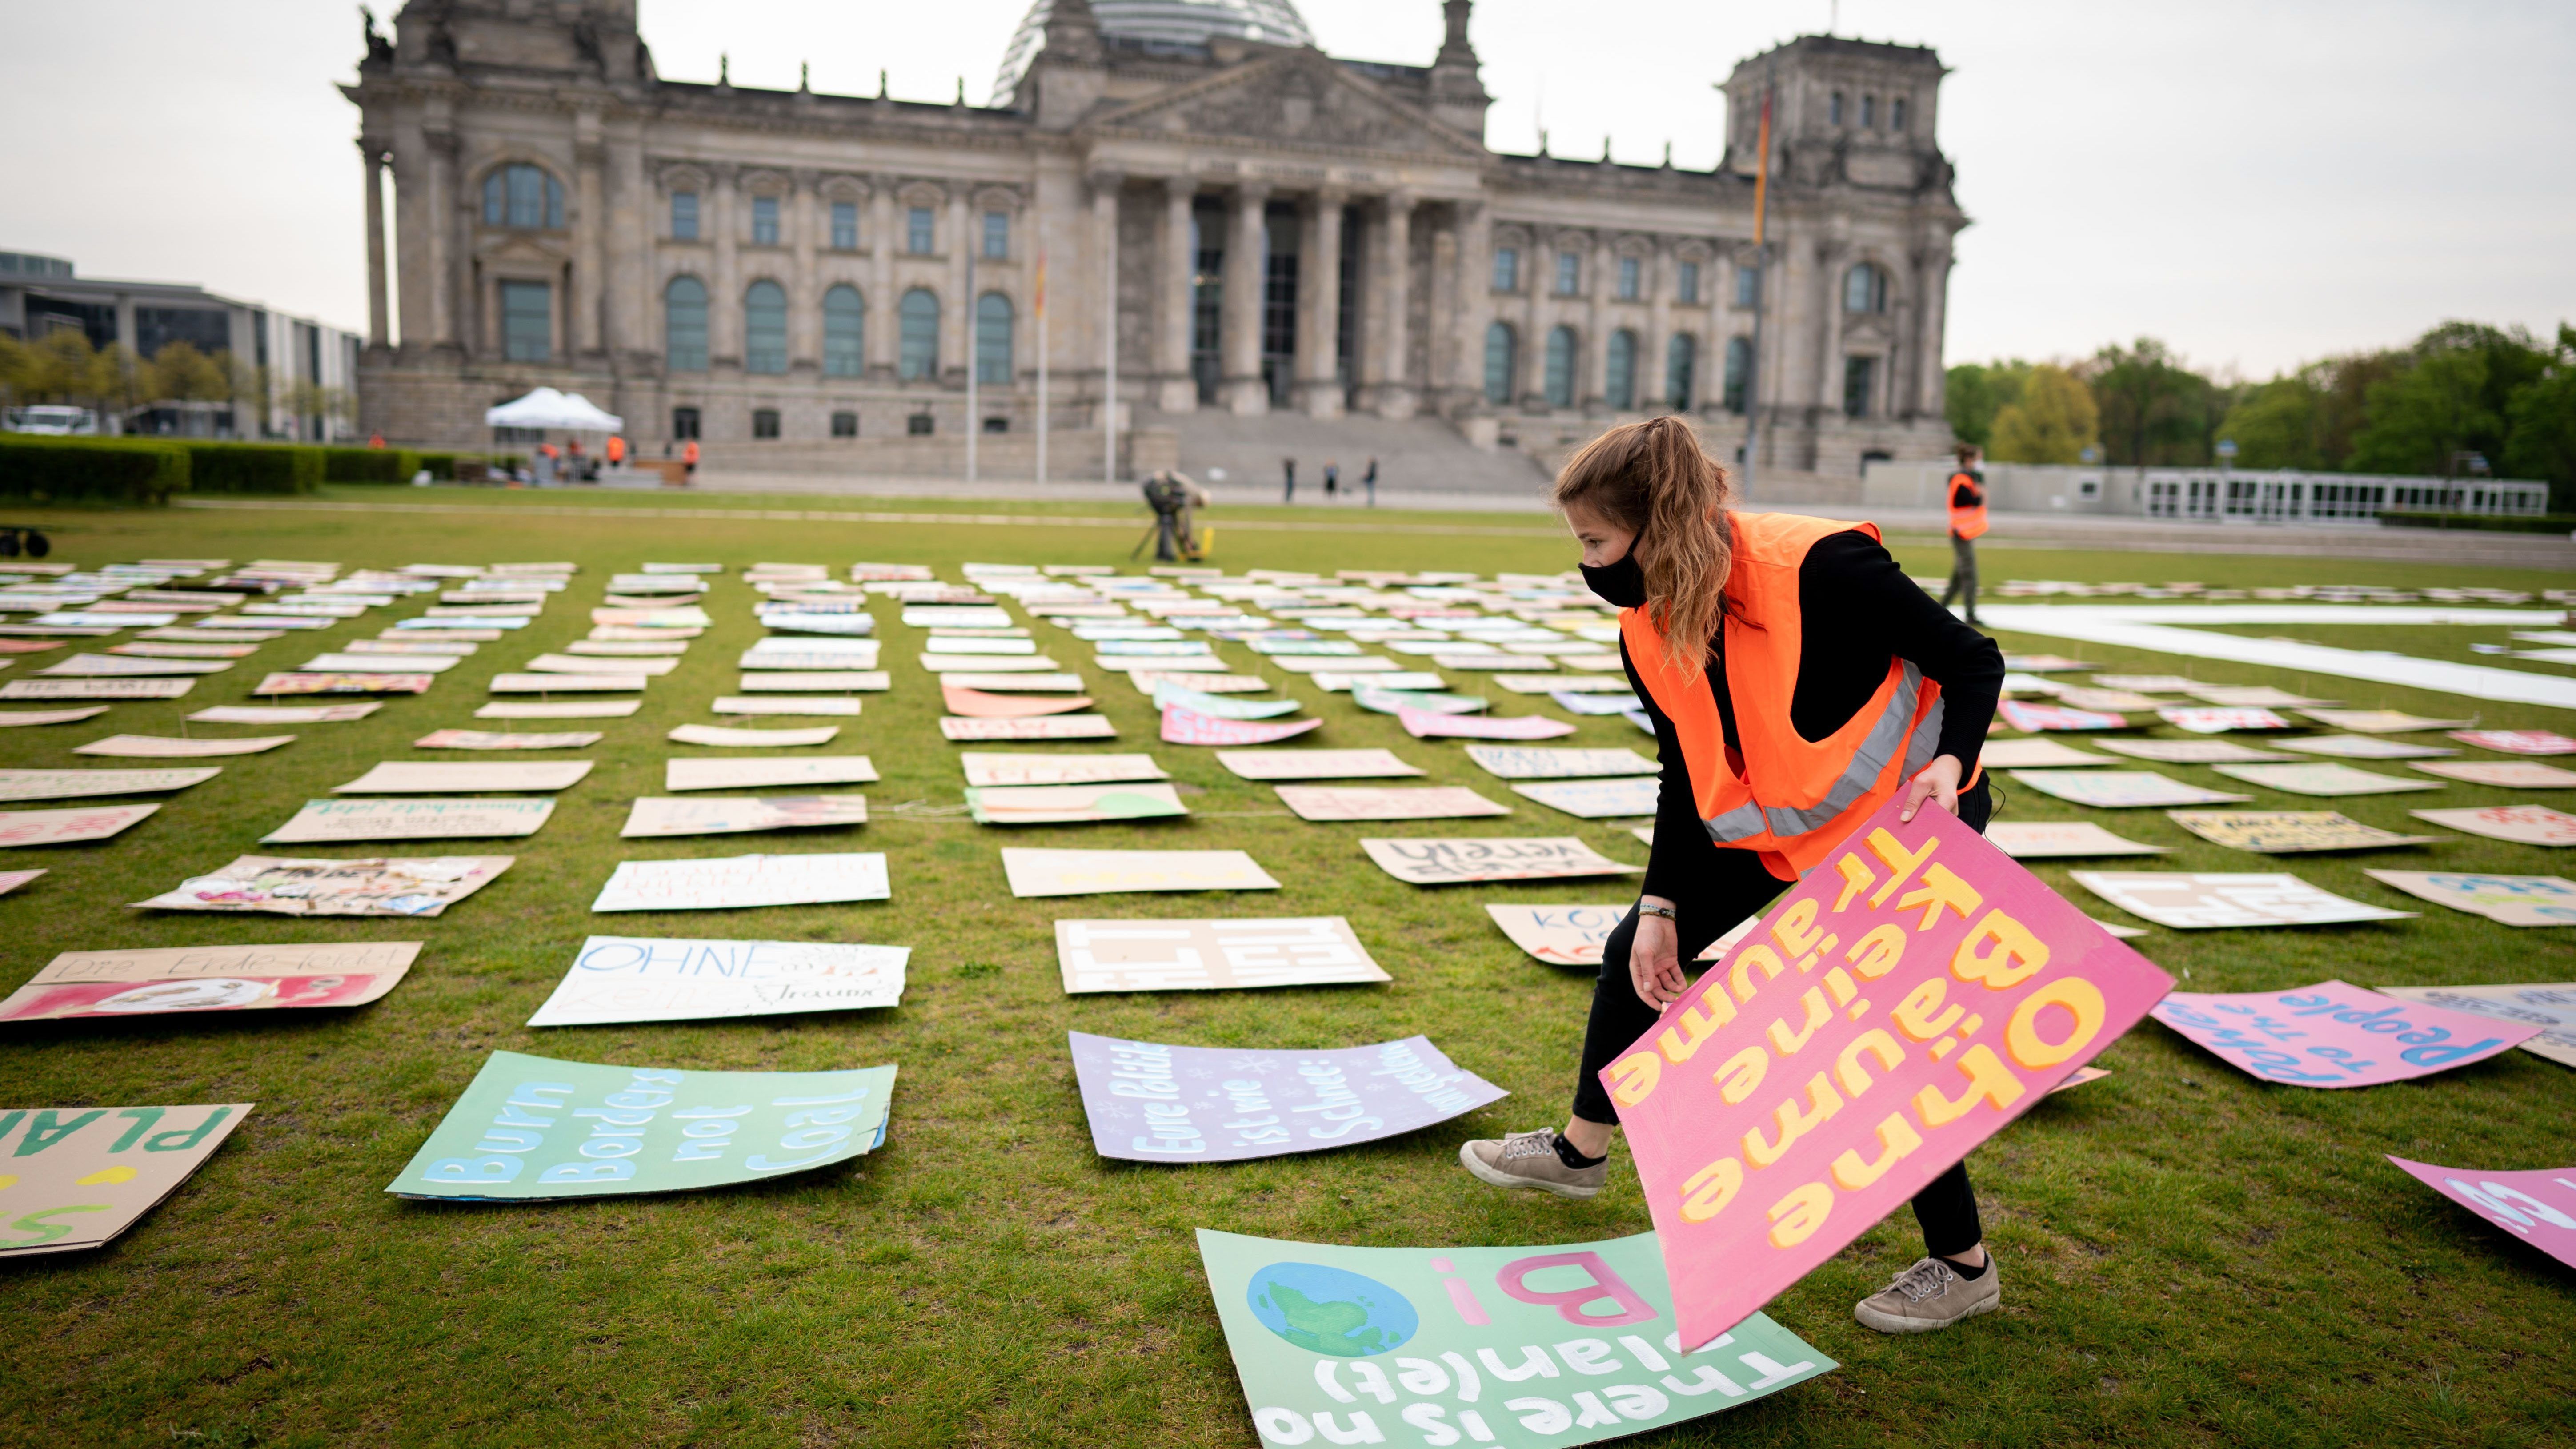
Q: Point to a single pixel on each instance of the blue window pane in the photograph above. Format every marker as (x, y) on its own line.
(764, 328)
(684, 216)
(1630, 274)
(997, 235)
(764, 221)
(1748, 285)
(684, 324)
(527, 187)
(993, 338)
(527, 321)
(1569, 272)
(917, 231)
(1681, 366)
(918, 355)
(1560, 368)
(495, 208)
(1502, 360)
(1686, 281)
(845, 226)
(1507, 269)
(1739, 371)
(844, 332)
(1620, 384)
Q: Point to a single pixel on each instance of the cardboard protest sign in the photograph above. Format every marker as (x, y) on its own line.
(2288, 832)
(295, 682)
(79, 1176)
(152, 982)
(1232, 954)
(1512, 763)
(2379, 721)
(1016, 683)
(2550, 1007)
(2147, 683)
(739, 881)
(750, 739)
(1366, 665)
(2058, 839)
(1043, 727)
(762, 774)
(2215, 720)
(1942, 932)
(1597, 704)
(77, 784)
(629, 648)
(2365, 747)
(566, 683)
(1460, 1328)
(1073, 804)
(2335, 1034)
(1448, 862)
(1147, 680)
(121, 666)
(2512, 900)
(2537, 1207)
(2203, 901)
(2505, 742)
(1397, 680)
(1362, 802)
(68, 827)
(487, 740)
(2522, 824)
(2306, 777)
(532, 1128)
(285, 885)
(165, 748)
(361, 663)
(411, 777)
(16, 717)
(352, 820)
(100, 688)
(2121, 789)
(984, 769)
(10, 880)
(2035, 755)
(1147, 1102)
(632, 978)
(1189, 727)
(1432, 724)
(1110, 872)
(1008, 664)
(2033, 718)
(1560, 935)
(811, 706)
(1597, 799)
(2076, 697)
(2250, 696)
(1217, 706)
(977, 704)
(578, 664)
(656, 815)
(1314, 764)
(2182, 752)
(567, 709)
(817, 681)
(951, 644)
(2504, 774)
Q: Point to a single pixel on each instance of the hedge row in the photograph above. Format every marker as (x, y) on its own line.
(253, 467)
(93, 470)
(2491, 522)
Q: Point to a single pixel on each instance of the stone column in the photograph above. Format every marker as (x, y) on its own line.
(804, 299)
(959, 315)
(1239, 337)
(372, 151)
(1592, 359)
(1106, 187)
(1319, 307)
(724, 293)
(590, 236)
(1475, 302)
(1829, 330)
(1175, 297)
(412, 248)
(446, 306)
(885, 313)
(1440, 316)
(1653, 348)
(632, 321)
(1392, 300)
(1931, 311)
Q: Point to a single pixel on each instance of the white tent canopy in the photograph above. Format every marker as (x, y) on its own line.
(547, 408)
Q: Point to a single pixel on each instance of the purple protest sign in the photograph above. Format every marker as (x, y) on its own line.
(1153, 1103)
(2335, 1034)
(2537, 1207)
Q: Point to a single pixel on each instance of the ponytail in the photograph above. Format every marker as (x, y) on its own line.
(1654, 478)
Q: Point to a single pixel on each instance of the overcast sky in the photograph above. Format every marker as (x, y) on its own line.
(2256, 184)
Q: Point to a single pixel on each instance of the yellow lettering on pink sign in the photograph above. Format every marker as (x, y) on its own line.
(1795, 1218)
(2081, 999)
(1896, 1140)
(2000, 952)
(1989, 1080)
(1710, 1189)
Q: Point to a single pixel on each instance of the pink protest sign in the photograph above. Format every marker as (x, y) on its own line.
(2033, 718)
(1430, 724)
(1916, 992)
(2335, 1034)
(1189, 727)
(2537, 1207)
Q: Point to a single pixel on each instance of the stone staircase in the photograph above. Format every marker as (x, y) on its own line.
(1414, 456)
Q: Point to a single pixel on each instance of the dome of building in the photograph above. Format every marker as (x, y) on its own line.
(1180, 26)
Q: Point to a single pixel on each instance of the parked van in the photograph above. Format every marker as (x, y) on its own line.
(52, 419)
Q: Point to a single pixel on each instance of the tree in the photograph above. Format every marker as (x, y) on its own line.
(2054, 420)
(2154, 410)
(19, 369)
(2278, 424)
(2542, 416)
(2455, 398)
(1976, 391)
(180, 373)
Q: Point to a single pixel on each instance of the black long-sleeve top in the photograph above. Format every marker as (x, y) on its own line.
(1860, 611)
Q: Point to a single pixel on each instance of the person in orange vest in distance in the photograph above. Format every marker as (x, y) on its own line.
(1798, 682)
(375, 440)
(689, 459)
(1967, 523)
(616, 450)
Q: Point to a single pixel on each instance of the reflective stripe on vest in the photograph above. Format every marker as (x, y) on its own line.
(1886, 735)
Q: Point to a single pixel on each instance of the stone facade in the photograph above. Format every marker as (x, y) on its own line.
(1279, 229)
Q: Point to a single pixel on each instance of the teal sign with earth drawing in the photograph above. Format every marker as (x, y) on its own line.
(1519, 1347)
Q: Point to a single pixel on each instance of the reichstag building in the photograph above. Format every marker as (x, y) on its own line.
(1286, 230)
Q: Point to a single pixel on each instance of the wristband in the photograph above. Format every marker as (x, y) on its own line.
(1664, 911)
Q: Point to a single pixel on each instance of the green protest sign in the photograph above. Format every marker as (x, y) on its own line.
(532, 1128)
(1477, 1346)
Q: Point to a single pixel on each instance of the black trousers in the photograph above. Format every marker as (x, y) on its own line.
(1963, 574)
(1725, 888)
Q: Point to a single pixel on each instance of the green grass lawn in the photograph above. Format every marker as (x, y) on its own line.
(2190, 1257)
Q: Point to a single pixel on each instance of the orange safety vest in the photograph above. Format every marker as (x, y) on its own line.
(1790, 798)
(1969, 522)
(689, 454)
(616, 450)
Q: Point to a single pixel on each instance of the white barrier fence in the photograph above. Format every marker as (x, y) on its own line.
(2210, 495)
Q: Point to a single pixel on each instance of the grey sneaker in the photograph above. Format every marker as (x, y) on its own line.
(1528, 1159)
(1931, 1295)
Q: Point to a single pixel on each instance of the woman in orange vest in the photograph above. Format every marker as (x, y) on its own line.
(1967, 524)
(1798, 681)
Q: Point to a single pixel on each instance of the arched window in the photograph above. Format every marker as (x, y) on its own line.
(1620, 387)
(1502, 362)
(524, 196)
(1681, 371)
(1560, 368)
(684, 324)
(1739, 371)
(764, 328)
(993, 338)
(919, 355)
(1896, 114)
(845, 322)
(1834, 113)
(1865, 289)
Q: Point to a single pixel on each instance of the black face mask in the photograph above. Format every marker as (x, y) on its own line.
(1620, 585)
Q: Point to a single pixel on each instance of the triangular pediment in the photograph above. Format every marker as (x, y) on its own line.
(1301, 98)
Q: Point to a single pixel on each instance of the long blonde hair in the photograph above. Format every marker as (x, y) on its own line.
(1653, 477)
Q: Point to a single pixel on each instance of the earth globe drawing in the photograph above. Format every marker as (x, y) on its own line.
(1331, 1310)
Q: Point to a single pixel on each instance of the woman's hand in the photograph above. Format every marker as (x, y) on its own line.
(1939, 782)
(1654, 958)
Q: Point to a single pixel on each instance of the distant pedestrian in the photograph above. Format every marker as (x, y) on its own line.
(1332, 479)
(1371, 482)
(1967, 523)
(1288, 476)
(689, 461)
